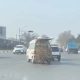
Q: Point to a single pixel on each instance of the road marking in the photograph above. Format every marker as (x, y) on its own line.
(24, 78)
(65, 61)
(10, 64)
(22, 61)
(63, 57)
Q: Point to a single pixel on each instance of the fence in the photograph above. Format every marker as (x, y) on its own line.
(6, 44)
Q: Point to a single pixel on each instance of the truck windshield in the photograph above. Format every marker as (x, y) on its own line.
(55, 49)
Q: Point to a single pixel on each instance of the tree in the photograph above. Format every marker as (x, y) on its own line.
(27, 37)
(64, 37)
(78, 39)
(73, 39)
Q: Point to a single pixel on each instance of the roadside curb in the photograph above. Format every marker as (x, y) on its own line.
(5, 50)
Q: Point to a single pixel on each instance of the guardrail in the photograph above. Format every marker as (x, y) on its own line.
(5, 50)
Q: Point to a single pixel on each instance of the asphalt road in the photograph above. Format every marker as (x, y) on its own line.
(15, 67)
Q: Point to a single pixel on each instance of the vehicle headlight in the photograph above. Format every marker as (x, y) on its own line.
(13, 50)
(22, 50)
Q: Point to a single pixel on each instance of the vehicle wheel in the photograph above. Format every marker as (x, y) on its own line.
(33, 61)
(14, 53)
(52, 59)
(68, 52)
(48, 61)
(28, 60)
(59, 58)
(76, 52)
(42, 62)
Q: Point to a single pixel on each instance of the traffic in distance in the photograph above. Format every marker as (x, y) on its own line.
(40, 50)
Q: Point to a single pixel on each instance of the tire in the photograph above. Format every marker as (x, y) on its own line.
(48, 61)
(68, 52)
(59, 58)
(28, 60)
(33, 61)
(14, 53)
(52, 59)
(76, 53)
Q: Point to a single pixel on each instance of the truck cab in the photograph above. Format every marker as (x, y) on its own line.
(72, 48)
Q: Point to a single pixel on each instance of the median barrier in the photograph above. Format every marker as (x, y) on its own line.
(5, 50)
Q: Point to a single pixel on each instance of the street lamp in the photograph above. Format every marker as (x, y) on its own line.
(19, 33)
(30, 31)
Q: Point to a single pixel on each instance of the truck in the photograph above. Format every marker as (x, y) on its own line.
(72, 48)
(39, 51)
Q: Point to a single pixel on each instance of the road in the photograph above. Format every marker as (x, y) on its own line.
(15, 67)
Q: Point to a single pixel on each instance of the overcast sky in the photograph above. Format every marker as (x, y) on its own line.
(49, 17)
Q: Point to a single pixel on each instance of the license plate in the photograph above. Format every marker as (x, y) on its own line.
(17, 51)
(54, 56)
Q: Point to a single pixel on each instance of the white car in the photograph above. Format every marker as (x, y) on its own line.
(56, 53)
(19, 49)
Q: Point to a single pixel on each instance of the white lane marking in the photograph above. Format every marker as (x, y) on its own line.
(20, 62)
(11, 63)
(12, 75)
(24, 78)
(65, 61)
(23, 61)
(63, 57)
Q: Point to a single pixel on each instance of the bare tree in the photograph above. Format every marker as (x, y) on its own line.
(27, 37)
(64, 37)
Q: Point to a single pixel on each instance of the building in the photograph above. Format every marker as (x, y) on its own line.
(2, 32)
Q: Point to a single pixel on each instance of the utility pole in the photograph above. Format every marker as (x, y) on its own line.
(16, 37)
(19, 36)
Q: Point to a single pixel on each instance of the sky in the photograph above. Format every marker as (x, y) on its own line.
(50, 17)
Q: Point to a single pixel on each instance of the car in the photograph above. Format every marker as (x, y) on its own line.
(56, 53)
(19, 49)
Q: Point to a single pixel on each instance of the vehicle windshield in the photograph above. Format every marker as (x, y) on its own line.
(19, 47)
(55, 49)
